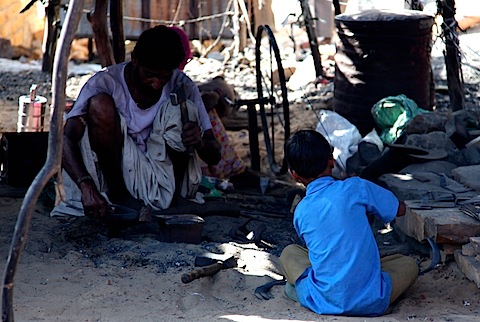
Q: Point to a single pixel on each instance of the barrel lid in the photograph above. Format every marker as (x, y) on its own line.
(384, 15)
(26, 99)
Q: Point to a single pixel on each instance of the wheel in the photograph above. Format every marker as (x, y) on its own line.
(272, 94)
(271, 85)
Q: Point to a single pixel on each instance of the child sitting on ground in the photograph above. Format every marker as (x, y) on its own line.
(340, 271)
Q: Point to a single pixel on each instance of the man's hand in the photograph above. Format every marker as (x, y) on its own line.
(94, 204)
(207, 147)
(192, 135)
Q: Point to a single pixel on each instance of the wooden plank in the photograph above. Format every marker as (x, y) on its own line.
(444, 225)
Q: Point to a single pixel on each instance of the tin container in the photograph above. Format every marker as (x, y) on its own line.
(31, 117)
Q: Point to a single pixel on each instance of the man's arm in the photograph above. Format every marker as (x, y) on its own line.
(94, 203)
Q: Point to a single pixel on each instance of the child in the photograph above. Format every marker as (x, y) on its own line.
(340, 271)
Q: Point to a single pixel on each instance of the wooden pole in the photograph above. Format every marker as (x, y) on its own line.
(236, 28)
(98, 21)
(336, 6)
(116, 26)
(52, 29)
(193, 10)
(312, 37)
(452, 55)
(242, 31)
(54, 156)
(146, 14)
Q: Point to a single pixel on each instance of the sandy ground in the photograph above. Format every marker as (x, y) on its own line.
(76, 270)
(71, 271)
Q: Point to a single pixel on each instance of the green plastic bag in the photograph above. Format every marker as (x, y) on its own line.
(392, 114)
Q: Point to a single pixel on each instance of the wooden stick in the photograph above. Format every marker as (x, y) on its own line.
(98, 21)
(54, 156)
(118, 34)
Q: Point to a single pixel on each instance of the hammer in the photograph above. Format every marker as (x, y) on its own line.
(179, 97)
(209, 270)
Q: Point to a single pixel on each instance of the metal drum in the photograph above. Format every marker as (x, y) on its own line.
(381, 53)
(31, 117)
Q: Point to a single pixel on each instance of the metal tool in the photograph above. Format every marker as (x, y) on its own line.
(243, 234)
(209, 270)
(179, 97)
(471, 210)
(263, 291)
(434, 199)
(435, 257)
(116, 212)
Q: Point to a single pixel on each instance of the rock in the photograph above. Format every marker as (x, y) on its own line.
(367, 153)
(475, 142)
(428, 122)
(471, 155)
(475, 241)
(458, 124)
(468, 250)
(469, 266)
(6, 49)
(437, 140)
(79, 51)
(354, 166)
(408, 187)
(216, 55)
(438, 166)
(443, 225)
(468, 175)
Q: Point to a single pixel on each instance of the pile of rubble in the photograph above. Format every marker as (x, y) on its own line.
(468, 259)
(441, 190)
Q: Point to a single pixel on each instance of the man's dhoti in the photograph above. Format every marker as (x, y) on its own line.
(148, 175)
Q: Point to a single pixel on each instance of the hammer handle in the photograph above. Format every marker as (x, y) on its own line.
(184, 117)
(202, 272)
(184, 112)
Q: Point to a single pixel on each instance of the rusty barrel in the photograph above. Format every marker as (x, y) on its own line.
(381, 53)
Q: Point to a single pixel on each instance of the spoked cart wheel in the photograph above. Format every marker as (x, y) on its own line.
(274, 107)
